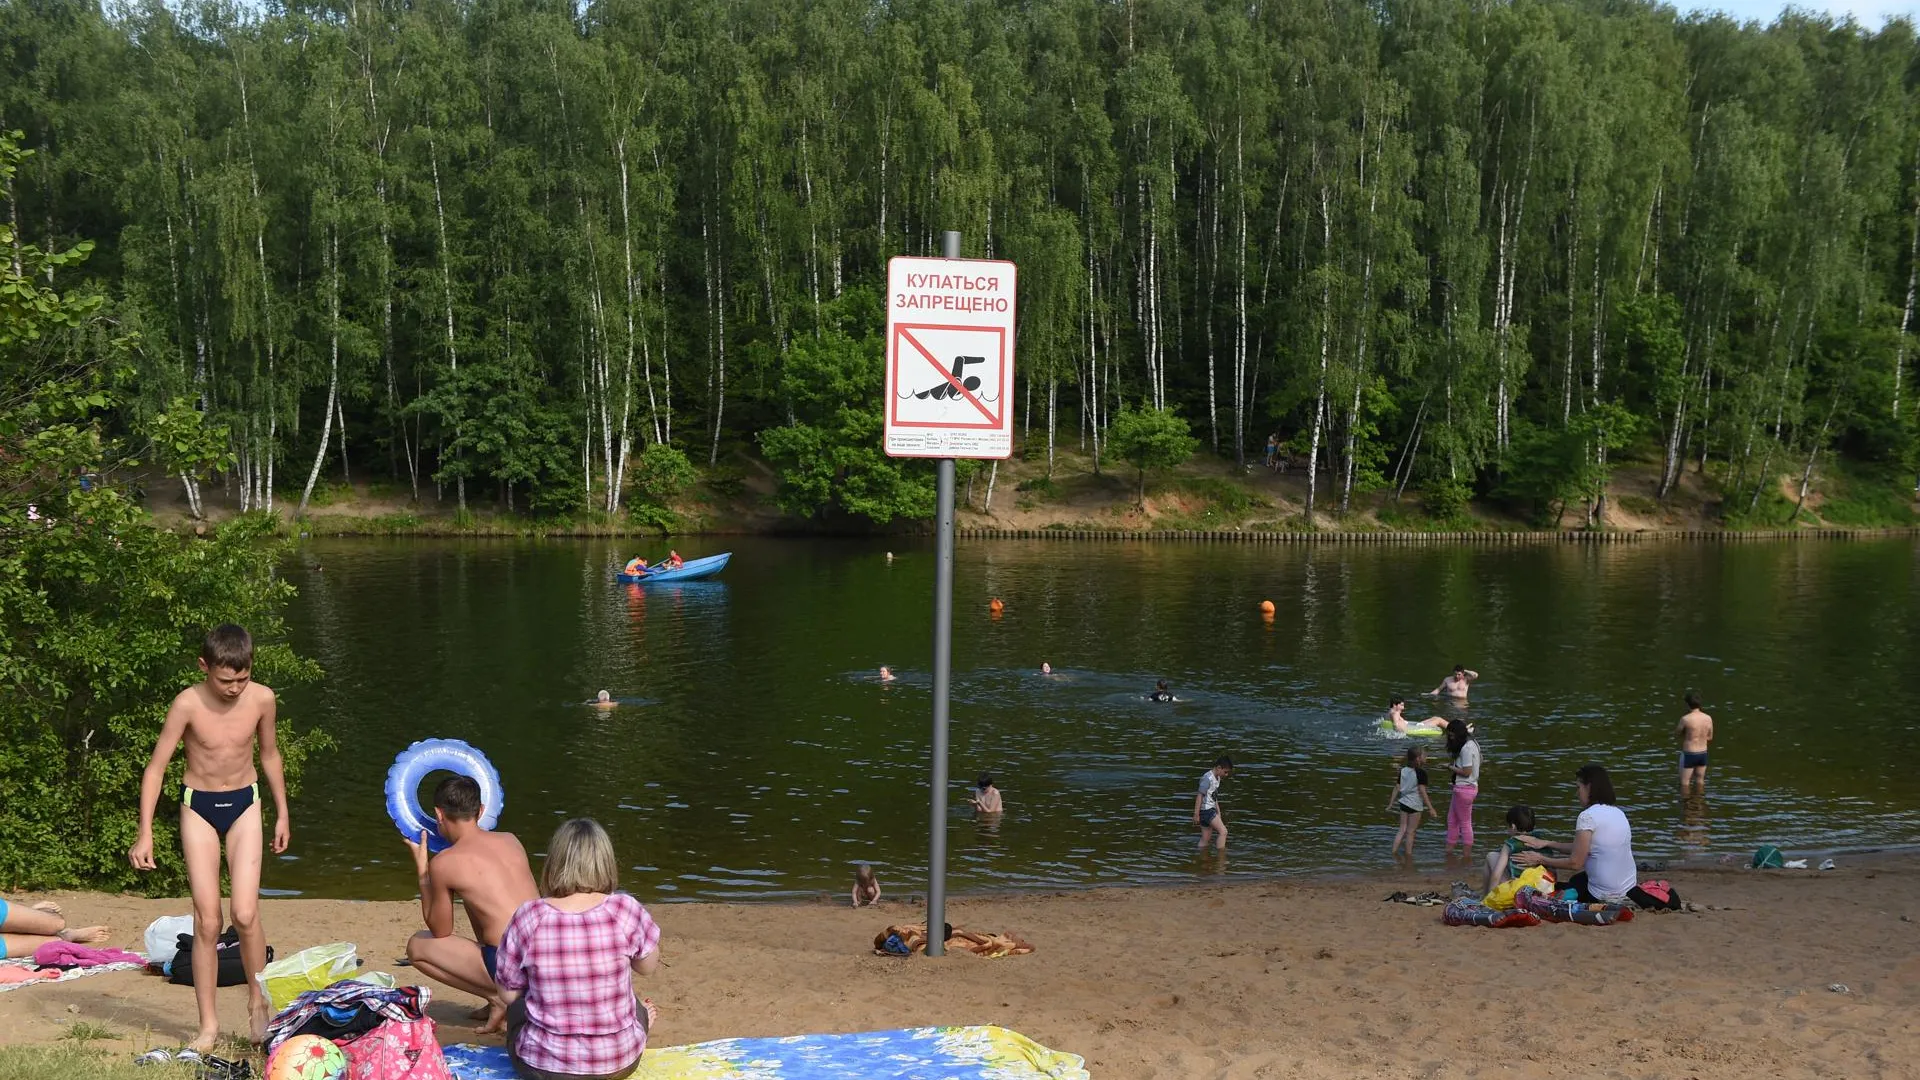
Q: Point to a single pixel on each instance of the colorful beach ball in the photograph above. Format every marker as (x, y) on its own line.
(307, 1057)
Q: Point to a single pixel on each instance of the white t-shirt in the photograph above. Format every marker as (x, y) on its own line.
(1610, 867)
(1469, 759)
(1209, 784)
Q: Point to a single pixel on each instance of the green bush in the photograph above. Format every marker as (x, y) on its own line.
(1150, 439)
(1446, 500)
(662, 474)
(726, 480)
(1043, 486)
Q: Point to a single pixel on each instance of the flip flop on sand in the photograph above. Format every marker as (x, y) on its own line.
(1425, 899)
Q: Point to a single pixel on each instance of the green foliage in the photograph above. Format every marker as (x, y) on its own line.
(1044, 487)
(101, 611)
(663, 473)
(500, 244)
(727, 480)
(1223, 496)
(1552, 468)
(1638, 504)
(1445, 501)
(828, 459)
(1153, 439)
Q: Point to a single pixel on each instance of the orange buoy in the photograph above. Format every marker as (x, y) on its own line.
(1266, 607)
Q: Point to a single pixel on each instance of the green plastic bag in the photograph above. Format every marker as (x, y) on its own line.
(1768, 857)
(309, 969)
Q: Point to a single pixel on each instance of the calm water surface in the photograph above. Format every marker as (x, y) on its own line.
(758, 756)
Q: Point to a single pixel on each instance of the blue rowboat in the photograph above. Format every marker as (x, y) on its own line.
(692, 570)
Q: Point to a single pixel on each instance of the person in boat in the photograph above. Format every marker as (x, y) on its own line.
(636, 567)
(674, 561)
(1397, 716)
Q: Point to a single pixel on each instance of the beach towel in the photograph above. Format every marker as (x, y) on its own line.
(65, 954)
(950, 1053)
(15, 974)
(1556, 909)
(1469, 912)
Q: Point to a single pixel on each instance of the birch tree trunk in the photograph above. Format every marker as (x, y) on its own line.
(333, 363)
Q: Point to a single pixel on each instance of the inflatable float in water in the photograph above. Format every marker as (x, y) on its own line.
(1413, 730)
(439, 755)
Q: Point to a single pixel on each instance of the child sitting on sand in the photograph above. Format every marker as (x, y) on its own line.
(1500, 864)
(866, 887)
(1409, 797)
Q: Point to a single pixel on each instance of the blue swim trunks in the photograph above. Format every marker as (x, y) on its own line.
(1689, 760)
(487, 955)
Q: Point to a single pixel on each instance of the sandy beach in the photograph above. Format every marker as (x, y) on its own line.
(1285, 979)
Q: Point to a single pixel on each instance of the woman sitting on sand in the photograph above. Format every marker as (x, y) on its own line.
(22, 930)
(1601, 861)
(566, 963)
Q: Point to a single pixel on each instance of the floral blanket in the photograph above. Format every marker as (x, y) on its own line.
(949, 1053)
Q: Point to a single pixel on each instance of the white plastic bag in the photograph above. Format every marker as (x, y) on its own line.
(163, 936)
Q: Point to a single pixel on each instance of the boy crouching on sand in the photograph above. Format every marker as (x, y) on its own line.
(220, 719)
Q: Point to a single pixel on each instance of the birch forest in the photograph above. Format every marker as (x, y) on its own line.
(494, 251)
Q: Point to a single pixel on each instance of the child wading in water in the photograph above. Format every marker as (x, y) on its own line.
(1409, 797)
(866, 887)
(1206, 812)
(220, 719)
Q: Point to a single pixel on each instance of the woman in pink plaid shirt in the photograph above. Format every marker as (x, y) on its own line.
(567, 961)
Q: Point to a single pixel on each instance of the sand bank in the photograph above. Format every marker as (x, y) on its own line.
(1308, 979)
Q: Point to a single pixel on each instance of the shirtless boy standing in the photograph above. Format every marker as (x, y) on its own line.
(1455, 685)
(1696, 734)
(488, 870)
(220, 719)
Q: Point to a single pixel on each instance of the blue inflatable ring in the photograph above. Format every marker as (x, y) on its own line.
(439, 755)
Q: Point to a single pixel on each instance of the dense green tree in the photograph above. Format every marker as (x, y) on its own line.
(1150, 439)
(101, 611)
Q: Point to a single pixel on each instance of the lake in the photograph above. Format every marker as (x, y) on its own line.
(756, 755)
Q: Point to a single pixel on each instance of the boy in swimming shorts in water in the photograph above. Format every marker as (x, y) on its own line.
(220, 719)
(1696, 735)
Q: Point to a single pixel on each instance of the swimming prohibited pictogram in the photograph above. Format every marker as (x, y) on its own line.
(949, 358)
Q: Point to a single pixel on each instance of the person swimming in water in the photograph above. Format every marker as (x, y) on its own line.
(604, 700)
(1046, 668)
(1455, 685)
(1396, 715)
(1161, 693)
(886, 673)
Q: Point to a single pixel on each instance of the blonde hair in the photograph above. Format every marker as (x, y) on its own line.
(579, 860)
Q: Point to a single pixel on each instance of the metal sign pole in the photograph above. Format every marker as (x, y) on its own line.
(942, 673)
